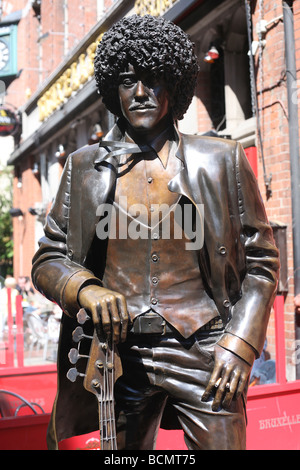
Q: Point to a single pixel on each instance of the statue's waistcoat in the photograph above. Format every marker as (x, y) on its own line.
(158, 272)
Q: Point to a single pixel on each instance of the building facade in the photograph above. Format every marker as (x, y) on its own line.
(243, 93)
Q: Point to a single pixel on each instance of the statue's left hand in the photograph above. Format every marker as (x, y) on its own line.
(228, 379)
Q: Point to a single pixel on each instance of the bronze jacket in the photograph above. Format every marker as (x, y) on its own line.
(239, 261)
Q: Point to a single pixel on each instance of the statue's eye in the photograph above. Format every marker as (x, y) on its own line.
(128, 81)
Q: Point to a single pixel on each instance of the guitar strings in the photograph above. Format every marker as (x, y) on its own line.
(113, 426)
(107, 411)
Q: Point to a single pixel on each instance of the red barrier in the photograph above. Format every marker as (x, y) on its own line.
(10, 336)
(19, 332)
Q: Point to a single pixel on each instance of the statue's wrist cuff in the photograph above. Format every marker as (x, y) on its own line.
(239, 347)
(75, 283)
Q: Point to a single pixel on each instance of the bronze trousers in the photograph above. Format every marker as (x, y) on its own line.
(169, 369)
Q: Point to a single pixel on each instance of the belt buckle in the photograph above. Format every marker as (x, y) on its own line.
(149, 324)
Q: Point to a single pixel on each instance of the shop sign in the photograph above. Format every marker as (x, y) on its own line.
(153, 7)
(9, 122)
(72, 79)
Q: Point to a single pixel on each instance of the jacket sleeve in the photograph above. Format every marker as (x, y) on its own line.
(54, 274)
(246, 330)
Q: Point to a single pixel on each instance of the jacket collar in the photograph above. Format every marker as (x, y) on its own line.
(115, 145)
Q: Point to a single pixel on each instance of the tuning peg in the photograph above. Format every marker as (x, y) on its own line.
(99, 364)
(82, 316)
(78, 334)
(73, 373)
(74, 355)
(95, 383)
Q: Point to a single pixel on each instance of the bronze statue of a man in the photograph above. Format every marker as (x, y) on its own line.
(184, 278)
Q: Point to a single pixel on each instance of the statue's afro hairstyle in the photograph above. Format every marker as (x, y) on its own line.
(152, 44)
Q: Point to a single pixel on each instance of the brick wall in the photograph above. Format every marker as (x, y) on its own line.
(272, 100)
(66, 24)
(52, 34)
(82, 16)
(26, 191)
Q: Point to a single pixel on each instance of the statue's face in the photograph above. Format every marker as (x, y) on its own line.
(144, 102)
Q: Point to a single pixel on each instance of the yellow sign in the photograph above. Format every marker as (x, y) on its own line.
(69, 82)
(153, 7)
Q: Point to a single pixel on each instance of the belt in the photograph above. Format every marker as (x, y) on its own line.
(152, 323)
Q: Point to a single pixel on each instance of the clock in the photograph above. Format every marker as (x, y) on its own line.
(4, 54)
(8, 51)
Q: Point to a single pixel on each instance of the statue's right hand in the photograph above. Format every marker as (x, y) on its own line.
(107, 308)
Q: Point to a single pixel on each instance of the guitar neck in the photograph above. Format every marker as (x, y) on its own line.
(107, 423)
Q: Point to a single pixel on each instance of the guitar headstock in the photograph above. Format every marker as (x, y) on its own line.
(103, 366)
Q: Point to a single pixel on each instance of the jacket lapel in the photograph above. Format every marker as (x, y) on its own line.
(180, 184)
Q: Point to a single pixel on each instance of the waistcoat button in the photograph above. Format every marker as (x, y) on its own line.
(154, 301)
(155, 280)
(154, 257)
(222, 250)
